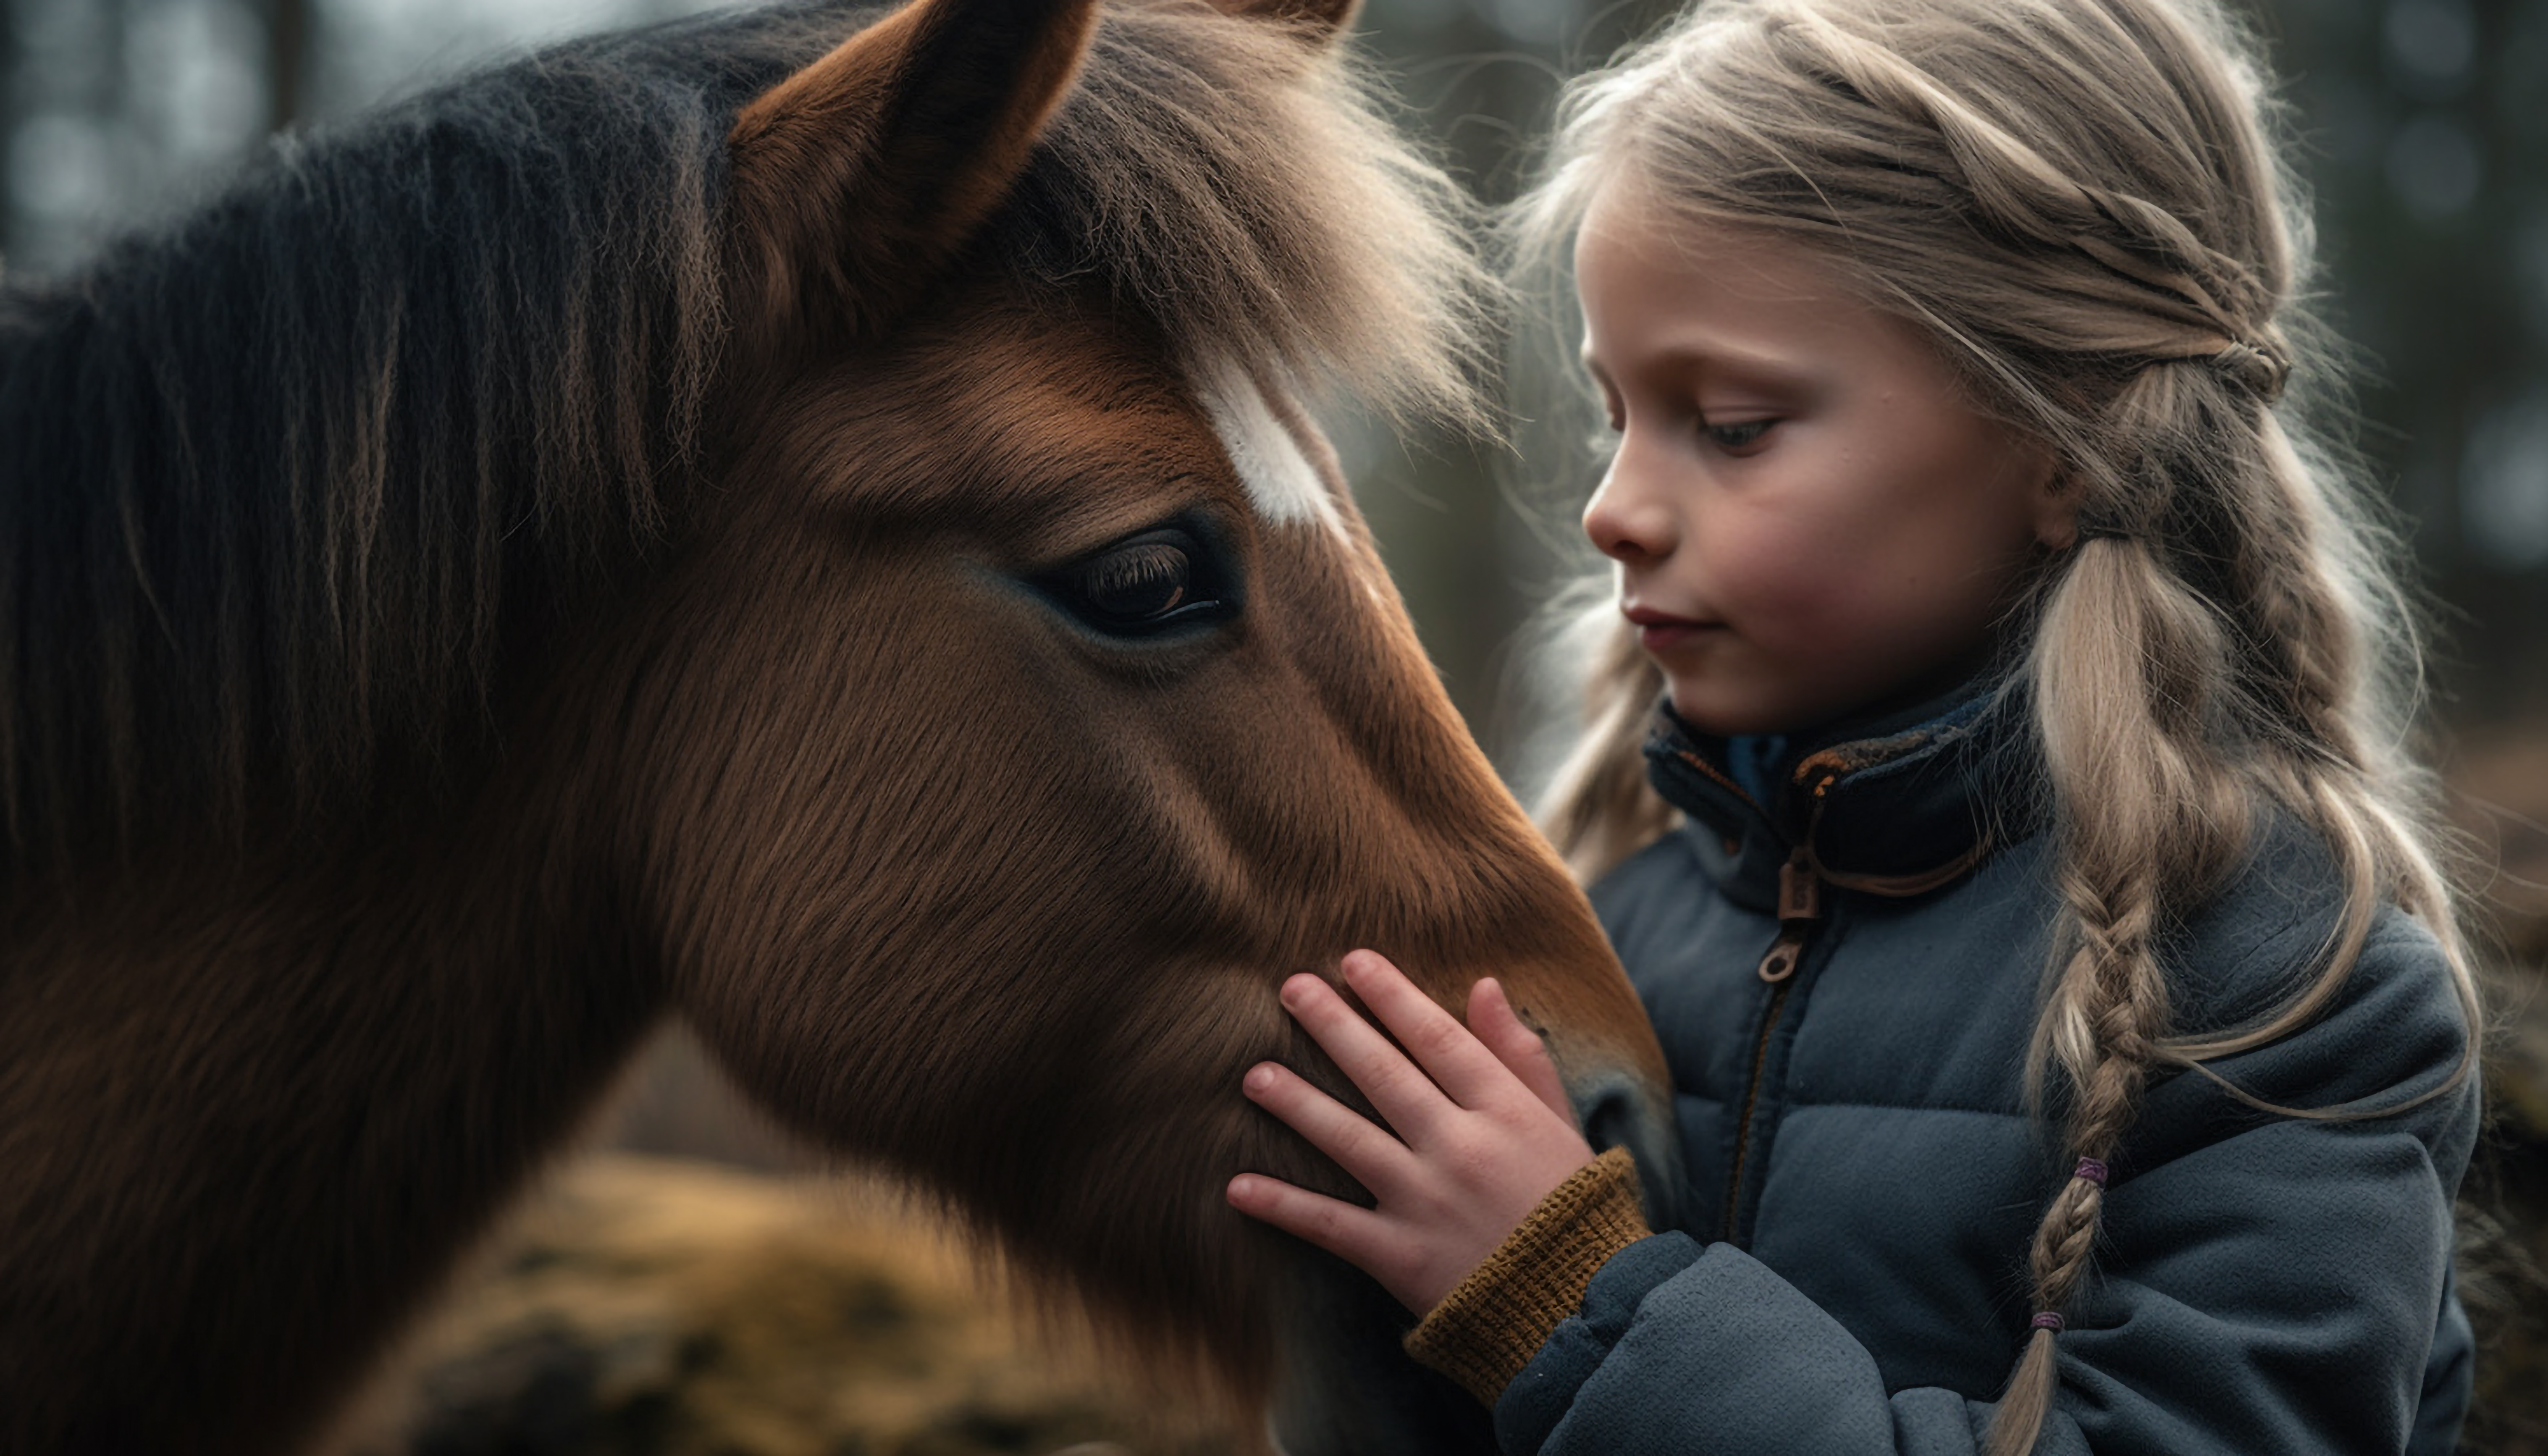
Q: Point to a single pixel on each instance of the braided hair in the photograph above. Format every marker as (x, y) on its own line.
(2081, 204)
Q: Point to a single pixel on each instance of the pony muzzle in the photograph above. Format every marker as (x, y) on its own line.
(1617, 1109)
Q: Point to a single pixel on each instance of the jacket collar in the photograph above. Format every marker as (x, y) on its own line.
(1898, 805)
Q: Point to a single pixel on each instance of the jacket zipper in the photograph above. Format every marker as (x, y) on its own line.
(1800, 908)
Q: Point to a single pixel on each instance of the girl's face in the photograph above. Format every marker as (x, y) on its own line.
(1808, 517)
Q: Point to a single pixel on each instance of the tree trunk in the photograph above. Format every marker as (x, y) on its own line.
(287, 61)
(10, 111)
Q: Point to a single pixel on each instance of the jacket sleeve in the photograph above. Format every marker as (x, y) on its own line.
(2265, 1284)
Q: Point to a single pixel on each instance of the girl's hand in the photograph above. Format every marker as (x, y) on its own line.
(1483, 1130)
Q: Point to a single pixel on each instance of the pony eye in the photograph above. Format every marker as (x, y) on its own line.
(1136, 583)
(1145, 585)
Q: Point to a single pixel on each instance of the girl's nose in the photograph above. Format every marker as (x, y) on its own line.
(1627, 519)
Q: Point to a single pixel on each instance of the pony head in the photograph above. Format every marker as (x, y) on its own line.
(806, 520)
(1036, 701)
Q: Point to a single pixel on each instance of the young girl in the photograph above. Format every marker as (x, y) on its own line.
(2073, 1046)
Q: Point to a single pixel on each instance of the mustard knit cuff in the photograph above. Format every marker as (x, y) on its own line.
(1488, 1329)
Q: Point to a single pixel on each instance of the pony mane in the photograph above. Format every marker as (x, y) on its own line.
(279, 479)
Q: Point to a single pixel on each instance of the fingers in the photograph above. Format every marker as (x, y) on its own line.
(1356, 1235)
(1448, 1054)
(1397, 1087)
(1375, 1159)
(1479, 1151)
(1495, 1022)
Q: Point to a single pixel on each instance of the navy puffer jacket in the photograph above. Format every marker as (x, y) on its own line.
(1867, 1179)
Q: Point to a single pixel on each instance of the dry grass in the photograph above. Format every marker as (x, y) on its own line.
(655, 1306)
(2500, 781)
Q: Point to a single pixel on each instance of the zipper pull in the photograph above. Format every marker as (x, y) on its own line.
(1800, 904)
(1784, 952)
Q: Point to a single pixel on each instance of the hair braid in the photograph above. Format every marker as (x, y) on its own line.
(2123, 707)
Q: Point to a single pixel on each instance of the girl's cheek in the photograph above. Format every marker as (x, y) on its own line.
(1775, 581)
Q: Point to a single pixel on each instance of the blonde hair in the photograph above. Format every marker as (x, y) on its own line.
(2081, 204)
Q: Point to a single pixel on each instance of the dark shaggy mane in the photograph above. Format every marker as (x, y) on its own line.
(278, 479)
(273, 471)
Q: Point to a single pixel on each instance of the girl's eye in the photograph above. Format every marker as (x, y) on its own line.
(1739, 436)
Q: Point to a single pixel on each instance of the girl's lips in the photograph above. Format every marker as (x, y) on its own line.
(1663, 636)
(1658, 630)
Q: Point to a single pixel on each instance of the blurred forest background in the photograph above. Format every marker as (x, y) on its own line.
(2427, 144)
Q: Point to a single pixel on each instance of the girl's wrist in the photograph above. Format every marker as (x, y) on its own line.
(1493, 1323)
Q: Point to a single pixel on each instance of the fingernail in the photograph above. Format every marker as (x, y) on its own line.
(1260, 1078)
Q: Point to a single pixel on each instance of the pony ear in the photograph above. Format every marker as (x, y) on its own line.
(1319, 19)
(856, 180)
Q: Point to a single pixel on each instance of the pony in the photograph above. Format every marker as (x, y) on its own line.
(807, 522)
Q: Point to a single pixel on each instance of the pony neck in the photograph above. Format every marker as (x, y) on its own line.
(265, 1102)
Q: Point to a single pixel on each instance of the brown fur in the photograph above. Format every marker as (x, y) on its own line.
(945, 881)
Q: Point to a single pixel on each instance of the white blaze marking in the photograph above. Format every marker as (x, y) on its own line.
(1280, 479)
